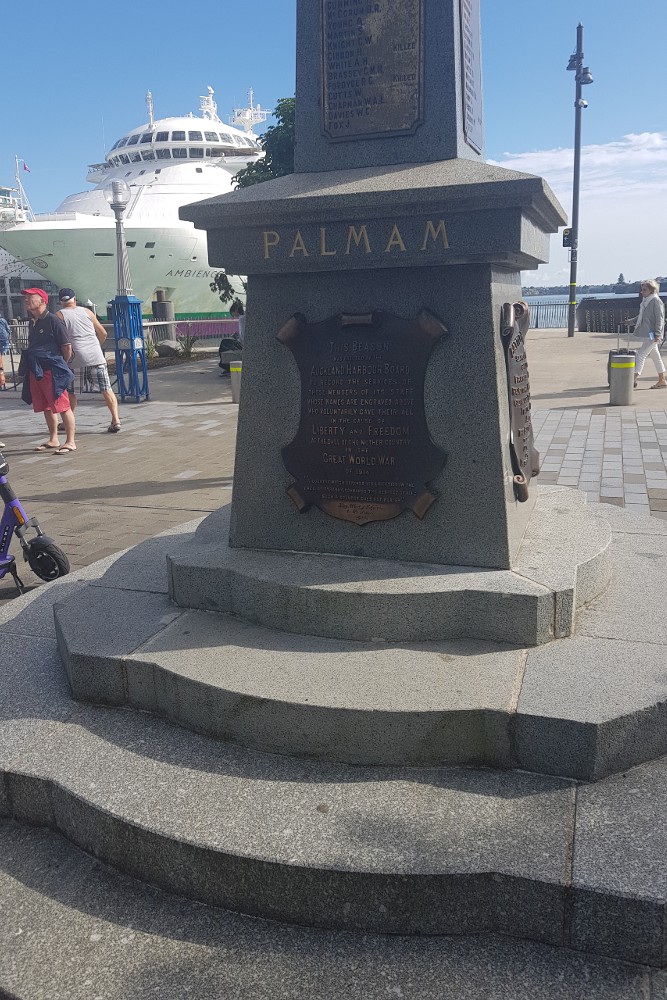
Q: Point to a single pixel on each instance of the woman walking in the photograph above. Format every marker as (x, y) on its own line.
(649, 325)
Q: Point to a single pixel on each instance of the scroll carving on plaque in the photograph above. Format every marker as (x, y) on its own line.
(363, 451)
(515, 320)
(372, 67)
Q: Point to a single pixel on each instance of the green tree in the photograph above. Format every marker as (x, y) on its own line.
(223, 286)
(278, 145)
(621, 279)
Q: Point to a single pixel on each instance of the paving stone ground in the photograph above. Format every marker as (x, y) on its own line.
(616, 454)
(77, 930)
(174, 458)
(171, 462)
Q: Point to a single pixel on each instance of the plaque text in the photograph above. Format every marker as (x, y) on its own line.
(362, 452)
(371, 67)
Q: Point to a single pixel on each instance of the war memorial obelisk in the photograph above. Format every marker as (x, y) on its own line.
(385, 411)
(389, 715)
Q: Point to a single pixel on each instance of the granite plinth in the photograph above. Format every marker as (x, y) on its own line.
(476, 519)
(448, 237)
(490, 215)
(562, 563)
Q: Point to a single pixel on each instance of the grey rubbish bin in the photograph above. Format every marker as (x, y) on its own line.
(621, 378)
(235, 369)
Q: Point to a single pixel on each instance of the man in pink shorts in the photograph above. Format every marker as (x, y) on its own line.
(47, 376)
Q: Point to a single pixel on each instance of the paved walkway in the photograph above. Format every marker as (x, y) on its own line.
(173, 460)
(616, 454)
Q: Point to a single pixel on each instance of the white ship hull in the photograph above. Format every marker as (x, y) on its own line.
(83, 255)
(163, 165)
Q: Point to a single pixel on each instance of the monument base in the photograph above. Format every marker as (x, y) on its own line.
(376, 702)
(448, 850)
(561, 565)
(357, 413)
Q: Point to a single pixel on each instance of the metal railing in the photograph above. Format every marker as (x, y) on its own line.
(18, 339)
(201, 329)
(18, 335)
(190, 333)
(603, 320)
(548, 315)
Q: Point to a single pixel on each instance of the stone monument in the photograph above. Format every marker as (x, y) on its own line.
(383, 711)
(384, 415)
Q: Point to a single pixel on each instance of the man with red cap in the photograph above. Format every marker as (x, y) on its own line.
(46, 374)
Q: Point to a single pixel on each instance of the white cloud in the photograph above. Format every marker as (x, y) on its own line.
(622, 207)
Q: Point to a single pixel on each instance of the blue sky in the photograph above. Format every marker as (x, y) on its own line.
(71, 88)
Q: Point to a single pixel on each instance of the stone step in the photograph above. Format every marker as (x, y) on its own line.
(74, 930)
(402, 851)
(573, 708)
(360, 848)
(562, 564)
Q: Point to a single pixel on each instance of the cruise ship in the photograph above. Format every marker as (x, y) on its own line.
(166, 163)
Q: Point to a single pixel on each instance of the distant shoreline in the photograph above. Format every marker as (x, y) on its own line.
(563, 296)
(597, 291)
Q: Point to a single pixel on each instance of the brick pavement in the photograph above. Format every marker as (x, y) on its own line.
(173, 460)
(616, 454)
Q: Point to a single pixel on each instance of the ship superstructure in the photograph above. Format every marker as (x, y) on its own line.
(166, 163)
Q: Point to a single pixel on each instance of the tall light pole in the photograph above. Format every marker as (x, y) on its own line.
(582, 76)
(125, 308)
(117, 193)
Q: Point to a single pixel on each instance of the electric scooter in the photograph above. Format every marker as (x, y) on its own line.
(45, 559)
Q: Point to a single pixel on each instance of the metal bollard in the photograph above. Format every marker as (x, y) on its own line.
(235, 369)
(621, 378)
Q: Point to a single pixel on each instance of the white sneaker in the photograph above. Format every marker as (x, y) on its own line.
(2, 444)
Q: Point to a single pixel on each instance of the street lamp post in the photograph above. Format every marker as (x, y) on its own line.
(117, 194)
(582, 76)
(125, 308)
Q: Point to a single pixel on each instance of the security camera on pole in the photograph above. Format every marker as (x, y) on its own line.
(125, 308)
(582, 77)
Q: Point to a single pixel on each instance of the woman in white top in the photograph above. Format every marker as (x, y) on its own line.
(649, 325)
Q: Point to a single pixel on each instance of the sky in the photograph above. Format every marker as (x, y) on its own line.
(74, 84)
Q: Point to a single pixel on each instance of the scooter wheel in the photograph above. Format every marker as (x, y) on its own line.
(48, 562)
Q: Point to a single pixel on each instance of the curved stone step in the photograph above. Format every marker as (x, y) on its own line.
(102, 934)
(335, 700)
(421, 851)
(562, 563)
(418, 853)
(586, 865)
(570, 708)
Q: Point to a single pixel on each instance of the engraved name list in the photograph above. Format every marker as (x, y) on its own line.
(371, 67)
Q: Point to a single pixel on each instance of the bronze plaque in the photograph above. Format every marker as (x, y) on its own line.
(372, 67)
(525, 459)
(362, 451)
(471, 82)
